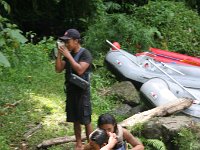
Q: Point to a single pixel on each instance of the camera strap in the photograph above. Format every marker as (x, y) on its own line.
(83, 81)
(76, 58)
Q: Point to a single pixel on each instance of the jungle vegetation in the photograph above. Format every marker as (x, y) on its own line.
(31, 93)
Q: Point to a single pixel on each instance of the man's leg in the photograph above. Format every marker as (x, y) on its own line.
(88, 130)
(77, 131)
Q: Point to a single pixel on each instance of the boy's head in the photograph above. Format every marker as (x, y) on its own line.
(98, 139)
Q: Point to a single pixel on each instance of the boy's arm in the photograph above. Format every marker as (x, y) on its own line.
(111, 142)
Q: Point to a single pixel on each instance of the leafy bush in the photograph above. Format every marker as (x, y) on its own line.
(27, 58)
(10, 39)
(129, 32)
(162, 24)
(101, 79)
(10, 36)
(178, 25)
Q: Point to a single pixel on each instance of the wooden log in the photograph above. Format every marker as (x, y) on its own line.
(163, 110)
(58, 140)
(32, 131)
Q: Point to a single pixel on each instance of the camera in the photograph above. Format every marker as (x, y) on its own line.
(60, 43)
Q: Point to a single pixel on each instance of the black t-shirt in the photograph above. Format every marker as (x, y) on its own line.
(84, 57)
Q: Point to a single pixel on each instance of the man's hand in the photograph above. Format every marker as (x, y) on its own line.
(64, 51)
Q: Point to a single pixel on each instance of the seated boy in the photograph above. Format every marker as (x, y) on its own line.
(99, 140)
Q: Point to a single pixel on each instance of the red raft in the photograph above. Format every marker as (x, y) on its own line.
(161, 58)
(171, 57)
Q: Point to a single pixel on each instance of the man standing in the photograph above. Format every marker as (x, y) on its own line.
(75, 60)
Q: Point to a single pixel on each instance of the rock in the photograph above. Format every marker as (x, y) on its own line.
(170, 124)
(137, 109)
(166, 128)
(126, 110)
(121, 110)
(126, 92)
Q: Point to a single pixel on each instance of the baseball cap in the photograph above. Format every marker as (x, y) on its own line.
(70, 34)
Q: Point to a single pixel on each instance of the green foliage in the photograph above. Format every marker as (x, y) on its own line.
(187, 139)
(28, 58)
(3, 143)
(53, 17)
(123, 6)
(136, 129)
(10, 40)
(163, 24)
(101, 80)
(112, 6)
(3, 60)
(32, 83)
(98, 8)
(5, 5)
(194, 4)
(129, 32)
(150, 144)
(154, 144)
(178, 25)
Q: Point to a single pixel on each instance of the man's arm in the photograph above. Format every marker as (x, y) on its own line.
(79, 68)
(60, 64)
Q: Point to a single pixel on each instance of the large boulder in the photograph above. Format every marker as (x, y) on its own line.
(125, 92)
(126, 110)
(166, 128)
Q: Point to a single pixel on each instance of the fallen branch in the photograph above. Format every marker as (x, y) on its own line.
(8, 105)
(59, 140)
(32, 131)
(163, 110)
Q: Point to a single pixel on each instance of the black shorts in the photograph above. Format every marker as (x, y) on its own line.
(78, 105)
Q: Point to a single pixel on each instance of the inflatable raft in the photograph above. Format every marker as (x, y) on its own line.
(160, 92)
(139, 69)
(171, 57)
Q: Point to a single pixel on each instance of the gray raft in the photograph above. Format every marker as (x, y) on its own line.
(139, 69)
(158, 87)
(160, 92)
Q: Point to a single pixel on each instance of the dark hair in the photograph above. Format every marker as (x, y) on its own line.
(99, 136)
(107, 119)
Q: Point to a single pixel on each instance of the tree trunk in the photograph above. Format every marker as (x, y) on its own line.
(163, 110)
(59, 140)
